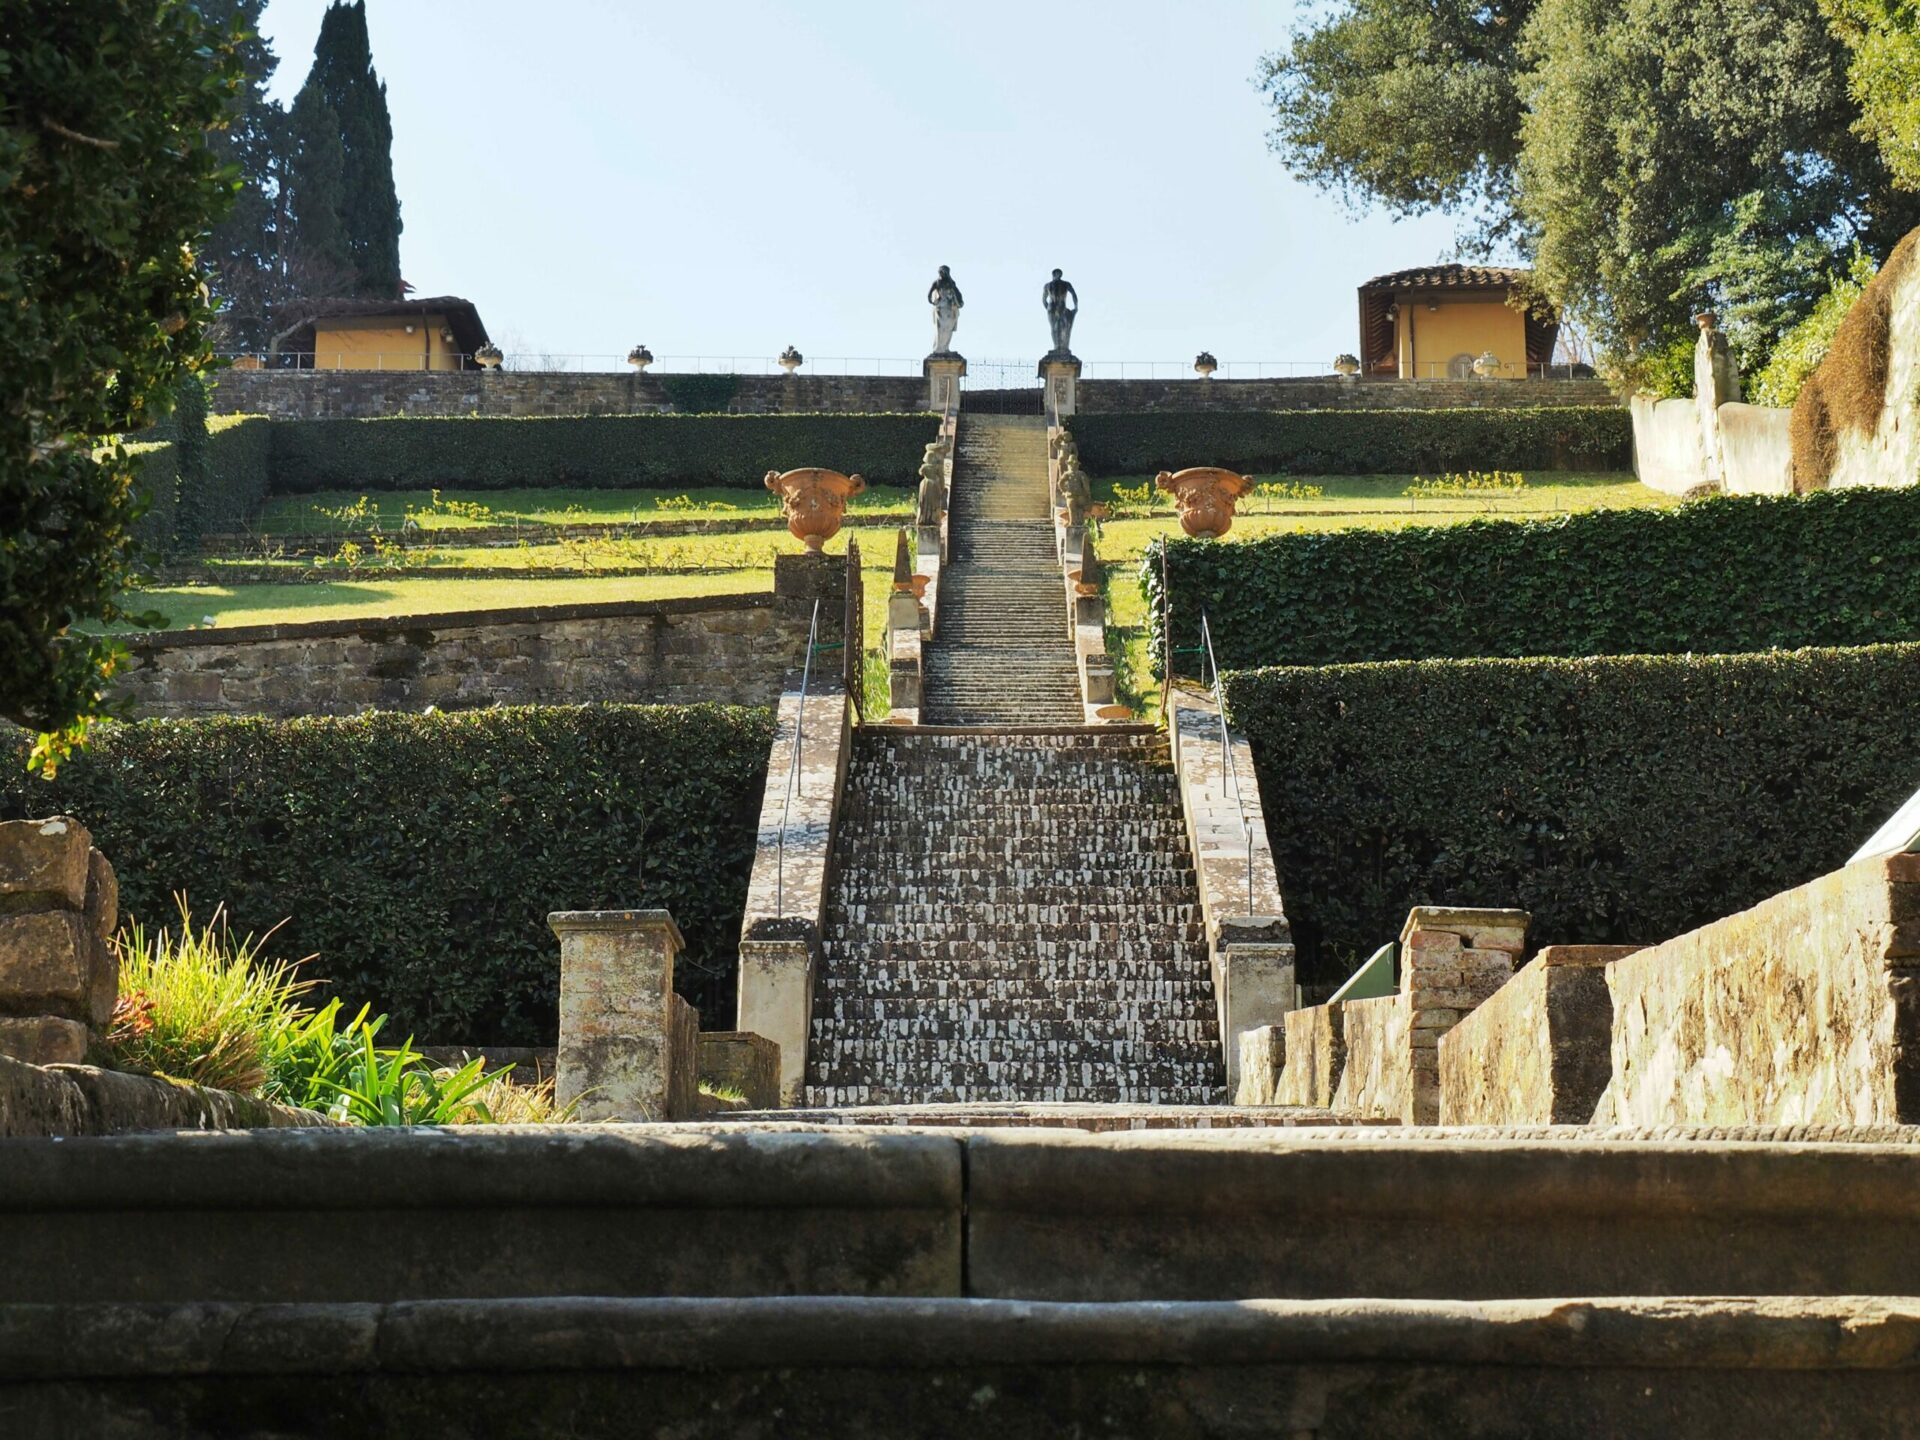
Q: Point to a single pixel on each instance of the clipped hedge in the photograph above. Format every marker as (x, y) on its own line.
(419, 855)
(156, 484)
(1622, 799)
(590, 451)
(1356, 442)
(234, 479)
(1722, 575)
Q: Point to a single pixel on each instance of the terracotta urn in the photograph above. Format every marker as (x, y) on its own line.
(1204, 497)
(815, 501)
(1348, 365)
(791, 359)
(488, 356)
(640, 357)
(1487, 366)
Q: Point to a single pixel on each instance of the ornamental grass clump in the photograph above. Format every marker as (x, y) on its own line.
(198, 1005)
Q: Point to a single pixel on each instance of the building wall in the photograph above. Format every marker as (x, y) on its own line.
(380, 343)
(1428, 339)
(733, 649)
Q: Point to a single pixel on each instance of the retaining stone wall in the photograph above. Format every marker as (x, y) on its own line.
(730, 649)
(1331, 393)
(1803, 1010)
(367, 394)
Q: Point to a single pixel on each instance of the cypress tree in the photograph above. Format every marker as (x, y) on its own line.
(319, 258)
(369, 207)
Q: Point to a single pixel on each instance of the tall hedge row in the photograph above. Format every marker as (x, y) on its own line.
(1623, 799)
(1732, 574)
(419, 855)
(1356, 442)
(201, 478)
(591, 451)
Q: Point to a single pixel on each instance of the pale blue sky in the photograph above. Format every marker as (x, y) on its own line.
(725, 179)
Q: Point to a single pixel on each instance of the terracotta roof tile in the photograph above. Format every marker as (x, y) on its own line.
(1447, 277)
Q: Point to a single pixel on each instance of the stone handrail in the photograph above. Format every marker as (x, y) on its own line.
(1248, 939)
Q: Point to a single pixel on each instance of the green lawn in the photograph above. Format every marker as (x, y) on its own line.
(332, 511)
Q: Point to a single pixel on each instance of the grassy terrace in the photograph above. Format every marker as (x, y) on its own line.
(326, 512)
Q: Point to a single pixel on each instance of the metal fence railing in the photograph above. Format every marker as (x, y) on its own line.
(1230, 767)
(793, 769)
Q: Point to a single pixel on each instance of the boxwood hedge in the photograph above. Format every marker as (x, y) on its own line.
(419, 855)
(1716, 576)
(1356, 442)
(1624, 799)
(594, 451)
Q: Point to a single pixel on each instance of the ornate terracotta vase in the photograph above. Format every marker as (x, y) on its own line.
(1204, 497)
(815, 502)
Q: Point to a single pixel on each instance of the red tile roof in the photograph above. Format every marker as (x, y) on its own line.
(1448, 277)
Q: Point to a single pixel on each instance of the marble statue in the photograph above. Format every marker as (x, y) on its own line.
(1056, 295)
(944, 296)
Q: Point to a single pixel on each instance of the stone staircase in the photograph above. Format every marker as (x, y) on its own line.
(1001, 651)
(1014, 916)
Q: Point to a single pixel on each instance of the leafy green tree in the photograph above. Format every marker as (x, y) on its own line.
(369, 206)
(1650, 157)
(316, 193)
(106, 184)
(1884, 76)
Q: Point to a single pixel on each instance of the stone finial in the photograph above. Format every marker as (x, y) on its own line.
(815, 501)
(1204, 497)
(59, 972)
(1715, 378)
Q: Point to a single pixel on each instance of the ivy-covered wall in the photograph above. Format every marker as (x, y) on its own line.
(1356, 442)
(1619, 799)
(1714, 576)
(417, 856)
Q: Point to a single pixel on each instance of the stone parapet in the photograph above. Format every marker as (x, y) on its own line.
(729, 649)
(1536, 1052)
(71, 1100)
(1314, 1056)
(1804, 1009)
(59, 972)
(744, 1063)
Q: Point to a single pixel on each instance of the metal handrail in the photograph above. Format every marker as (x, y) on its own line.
(793, 769)
(1226, 745)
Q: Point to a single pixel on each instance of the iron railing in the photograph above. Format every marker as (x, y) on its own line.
(1230, 769)
(793, 769)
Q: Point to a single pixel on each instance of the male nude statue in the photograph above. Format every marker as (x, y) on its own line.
(944, 296)
(1055, 295)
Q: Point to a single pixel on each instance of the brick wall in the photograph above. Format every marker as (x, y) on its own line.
(732, 649)
(366, 394)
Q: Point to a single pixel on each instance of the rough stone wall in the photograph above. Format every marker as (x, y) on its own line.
(63, 1100)
(59, 973)
(366, 394)
(733, 649)
(1331, 393)
(1804, 1010)
(1314, 1054)
(1377, 1077)
(1536, 1053)
(1888, 452)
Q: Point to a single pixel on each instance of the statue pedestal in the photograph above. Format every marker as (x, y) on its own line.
(1062, 374)
(943, 370)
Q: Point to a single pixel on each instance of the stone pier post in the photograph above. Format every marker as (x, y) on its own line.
(943, 372)
(1063, 378)
(617, 1055)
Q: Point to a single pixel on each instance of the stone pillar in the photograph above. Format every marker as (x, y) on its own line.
(1255, 990)
(776, 1000)
(616, 1012)
(943, 372)
(1062, 376)
(1715, 383)
(59, 975)
(1450, 962)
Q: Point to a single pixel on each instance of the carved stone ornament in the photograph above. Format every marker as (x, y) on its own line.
(1204, 496)
(815, 501)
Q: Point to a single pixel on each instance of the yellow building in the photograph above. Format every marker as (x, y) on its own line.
(1435, 322)
(441, 333)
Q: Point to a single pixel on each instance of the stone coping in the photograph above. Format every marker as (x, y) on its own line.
(448, 620)
(1064, 1115)
(1018, 730)
(57, 1101)
(579, 1333)
(616, 922)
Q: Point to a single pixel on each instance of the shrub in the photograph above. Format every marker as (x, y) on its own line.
(419, 855)
(1623, 799)
(198, 1005)
(156, 483)
(594, 451)
(1354, 442)
(700, 394)
(1799, 352)
(1721, 575)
